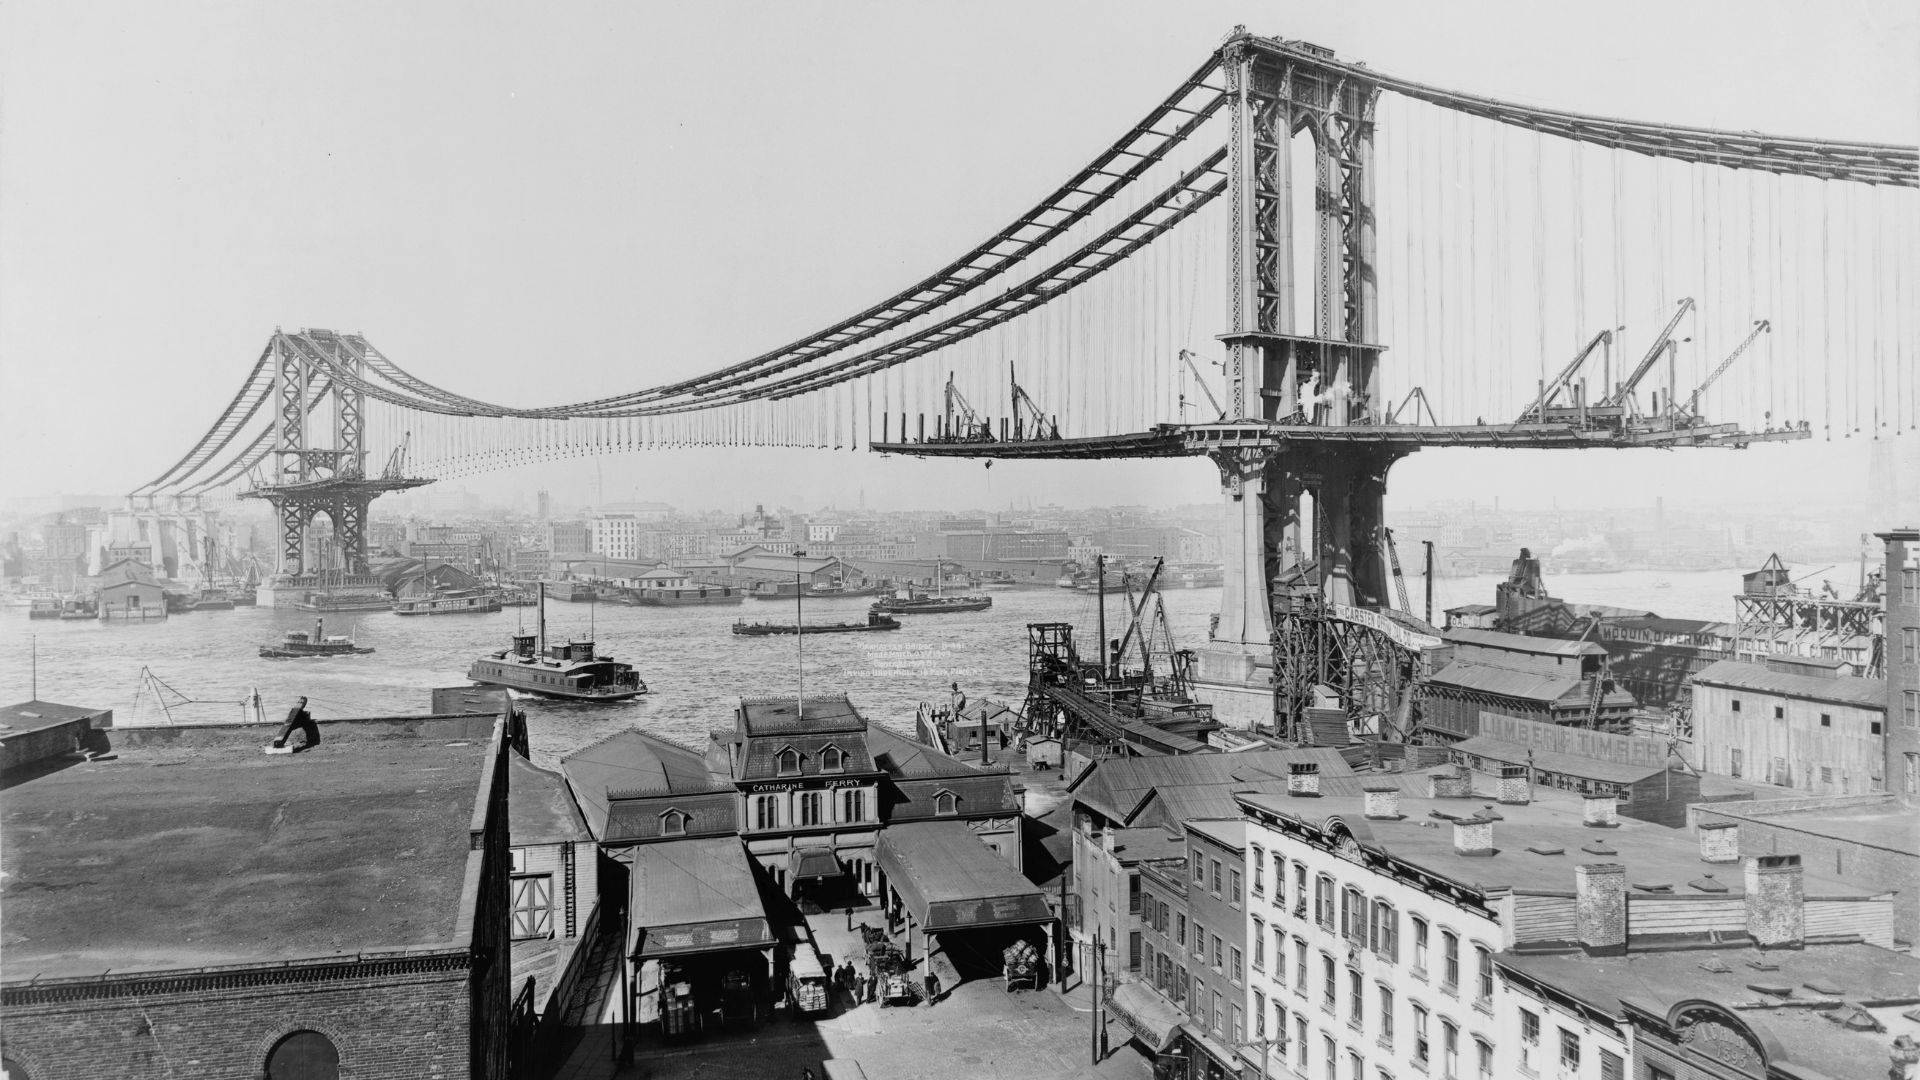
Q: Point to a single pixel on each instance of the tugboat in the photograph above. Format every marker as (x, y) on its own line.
(532, 666)
(875, 621)
(298, 643)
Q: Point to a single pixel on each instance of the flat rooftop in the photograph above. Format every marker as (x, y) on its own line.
(1821, 984)
(1537, 846)
(188, 847)
(1882, 824)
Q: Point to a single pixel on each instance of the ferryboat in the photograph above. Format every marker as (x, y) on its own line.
(532, 666)
(298, 643)
(452, 602)
(909, 602)
(875, 621)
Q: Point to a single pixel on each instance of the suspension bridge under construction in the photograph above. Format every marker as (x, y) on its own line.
(1295, 265)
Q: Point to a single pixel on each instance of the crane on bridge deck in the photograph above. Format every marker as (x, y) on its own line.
(1549, 392)
(1692, 407)
(1030, 421)
(1663, 343)
(961, 423)
(1220, 411)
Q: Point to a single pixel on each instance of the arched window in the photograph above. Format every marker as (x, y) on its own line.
(788, 762)
(832, 760)
(673, 823)
(944, 802)
(303, 1055)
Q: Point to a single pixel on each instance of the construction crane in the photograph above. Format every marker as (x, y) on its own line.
(1029, 420)
(1549, 391)
(1661, 343)
(963, 424)
(1134, 627)
(1760, 326)
(1399, 579)
(397, 461)
(1220, 410)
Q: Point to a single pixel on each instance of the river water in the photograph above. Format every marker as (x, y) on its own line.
(695, 667)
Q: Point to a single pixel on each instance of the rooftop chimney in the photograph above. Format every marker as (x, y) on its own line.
(1600, 908)
(1449, 782)
(1776, 898)
(1719, 841)
(1516, 785)
(1473, 836)
(1383, 800)
(1303, 779)
(1600, 811)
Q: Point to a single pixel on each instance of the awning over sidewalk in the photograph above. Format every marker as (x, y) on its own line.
(949, 880)
(813, 862)
(1147, 1013)
(694, 896)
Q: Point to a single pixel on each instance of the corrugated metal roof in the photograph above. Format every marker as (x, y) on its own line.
(1504, 682)
(1494, 639)
(1839, 690)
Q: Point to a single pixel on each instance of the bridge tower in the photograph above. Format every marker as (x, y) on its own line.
(315, 371)
(1281, 370)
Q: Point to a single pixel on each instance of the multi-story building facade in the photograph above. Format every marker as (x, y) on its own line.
(617, 536)
(569, 537)
(1902, 746)
(1195, 943)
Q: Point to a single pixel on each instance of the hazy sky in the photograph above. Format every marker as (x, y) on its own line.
(542, 203)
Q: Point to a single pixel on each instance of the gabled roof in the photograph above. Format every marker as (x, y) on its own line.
(904, 759)
(1190, 785)
(540, 809)
(634, 762)
(1839, 690)
(1521, 685)
(1494, 639)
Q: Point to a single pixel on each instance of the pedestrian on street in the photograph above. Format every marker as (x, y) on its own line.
(933, 988)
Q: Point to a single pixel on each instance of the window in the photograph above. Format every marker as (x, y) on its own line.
(1219, 953)
(1873, 727)
(1299, 890)
(1449, 960)
(1356, 999)
(1386, 1016)
(1323, 901)
(1219, 1015)
(1353, 915)
(533, 906)
(1736, 704)
(1259, 1015)
(1279, 880)
(832, 760)
(673, 823)
(853, 805)
(1133, 892)
(1214, 867)
(1449, 1050)
(1910, 586)
(1483, 1060)
(1611, 1067)
(1826, 719)
(1180, 930)
(1329, 1055)
(300, 1055)
(1234, 970)
(788, 762)
(1326, 982)
(1529, 1039)
(1569, 1051)
(812, 806)
(1386, 931)
(1419, 945)
(1259, 861)
(1199, 940)
(1279, 955)
(1236, 1025)
(1910, 645)
(1421, 1049)
(1735, 759)
(1199, 870)
(1910, 709)
(1483, 965)
(1233, 887)
(1259, 945)
(1300, 1041)
(1300, 967)
(1779, 712)
(945, 803)
(766, 811)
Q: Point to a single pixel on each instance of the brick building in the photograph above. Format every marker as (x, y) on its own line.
(209, 910)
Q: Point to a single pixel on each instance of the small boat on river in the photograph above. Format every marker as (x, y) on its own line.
(916, 603)
(875, 621)
(298, 643)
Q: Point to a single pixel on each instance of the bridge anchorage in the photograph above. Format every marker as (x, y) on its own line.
(1394, 267)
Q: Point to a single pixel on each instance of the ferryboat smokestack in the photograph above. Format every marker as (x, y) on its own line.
(540, 623)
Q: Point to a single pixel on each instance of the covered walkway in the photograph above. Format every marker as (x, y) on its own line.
(966, 901)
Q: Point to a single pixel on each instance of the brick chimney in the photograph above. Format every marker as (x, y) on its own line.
(1600, 908)
(1516, 785)
(1473, 836)
(1449, 782)
(1600, 812)
(1720, 841)
(1303, 779)
(1776, 899)
(1382, 800)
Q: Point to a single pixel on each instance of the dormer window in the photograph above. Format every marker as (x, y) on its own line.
(787, 762)
(945, 804)
(673, 823)
(832, 760)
